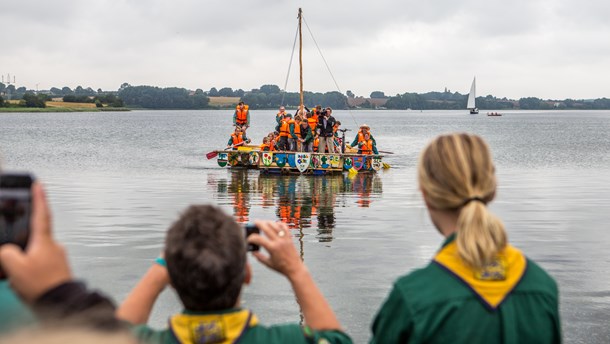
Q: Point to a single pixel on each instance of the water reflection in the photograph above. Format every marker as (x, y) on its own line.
(299, 201)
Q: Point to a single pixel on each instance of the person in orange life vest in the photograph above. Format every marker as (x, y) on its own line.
(265, 147)
(316, 112)
(271, 137)
(238, 138)
(280, 115)
(367, 146)
(326, 122)
(360, 135)
(241, 117)
(295, 139)
(282, 144)
(312, 122)
(336, 138)
(316, 143)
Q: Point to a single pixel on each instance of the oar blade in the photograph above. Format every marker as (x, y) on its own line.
(211, 155)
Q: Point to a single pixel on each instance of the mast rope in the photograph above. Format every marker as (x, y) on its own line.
(289, 65)
(328, 67)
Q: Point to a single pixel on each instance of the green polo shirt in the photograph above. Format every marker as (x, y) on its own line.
(432, 305)
(285, 333)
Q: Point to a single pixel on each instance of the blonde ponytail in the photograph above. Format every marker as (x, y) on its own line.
(456, 174)
(480, 235)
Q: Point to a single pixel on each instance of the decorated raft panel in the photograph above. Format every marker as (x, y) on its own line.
(299, 162)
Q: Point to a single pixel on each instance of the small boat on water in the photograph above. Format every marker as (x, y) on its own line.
(494, 114)
(290, 162)
(472, 96)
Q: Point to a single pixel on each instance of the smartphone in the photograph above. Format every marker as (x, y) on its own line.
(249, 229)
(15, 208)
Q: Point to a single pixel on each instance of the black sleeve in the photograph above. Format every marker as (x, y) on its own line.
(71, 302)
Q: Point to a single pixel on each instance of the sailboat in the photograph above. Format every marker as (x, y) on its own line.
(288, 162)
(472, 97)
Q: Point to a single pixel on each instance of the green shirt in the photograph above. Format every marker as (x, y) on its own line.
(431, 305)
(285, 333)
(13, 313)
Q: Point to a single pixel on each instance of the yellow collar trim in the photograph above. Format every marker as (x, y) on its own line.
(494, 282)
(211, 328)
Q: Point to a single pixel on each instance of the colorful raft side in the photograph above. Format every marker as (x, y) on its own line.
(298, 162)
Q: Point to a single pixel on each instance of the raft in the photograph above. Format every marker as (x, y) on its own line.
(281, 162)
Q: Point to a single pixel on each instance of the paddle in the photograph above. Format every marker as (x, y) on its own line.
(384, 152)
(213, 154)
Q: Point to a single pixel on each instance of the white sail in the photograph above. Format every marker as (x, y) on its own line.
(473, 95)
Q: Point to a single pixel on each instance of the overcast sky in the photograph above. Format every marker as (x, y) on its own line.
(552, 49)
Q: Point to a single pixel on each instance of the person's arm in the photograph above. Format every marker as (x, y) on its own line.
(230, 143)
(375, 149)
(292, 134)
(235, 118)
(355, 143)
(248, 118)
(284, 258)
(245, 138)
(138, 305)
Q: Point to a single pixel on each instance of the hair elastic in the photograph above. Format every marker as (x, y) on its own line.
(476, 198)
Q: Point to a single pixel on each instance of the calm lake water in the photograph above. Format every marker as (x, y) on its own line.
(117, 180)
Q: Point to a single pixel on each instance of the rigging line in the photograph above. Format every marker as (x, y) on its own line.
(328, 67)
(289, 65)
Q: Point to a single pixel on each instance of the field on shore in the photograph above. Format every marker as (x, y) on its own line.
(70, 105)
(60, 106)
(224, 101)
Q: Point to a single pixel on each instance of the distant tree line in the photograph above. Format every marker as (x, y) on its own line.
(151, 97)
(271, 96)
(457, 101)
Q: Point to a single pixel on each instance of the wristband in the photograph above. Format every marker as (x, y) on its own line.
(161, 261)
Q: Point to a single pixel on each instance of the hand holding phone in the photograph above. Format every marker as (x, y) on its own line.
(43, 264)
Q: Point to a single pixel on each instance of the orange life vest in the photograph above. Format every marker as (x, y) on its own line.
(367, 146)
(272, 145)
(237, 138)
(242, 115)
(313, 123)
(335, 128)
(265, 147)
(361, 135)
(316, 142)
(297, 127)
(285, 129)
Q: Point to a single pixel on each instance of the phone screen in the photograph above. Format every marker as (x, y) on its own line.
(249, 229)
(15, 208)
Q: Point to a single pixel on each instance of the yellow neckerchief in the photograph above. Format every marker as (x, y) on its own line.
(211, 328)
(494, 282)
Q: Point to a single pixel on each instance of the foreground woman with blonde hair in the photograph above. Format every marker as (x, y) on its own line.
(478, 288)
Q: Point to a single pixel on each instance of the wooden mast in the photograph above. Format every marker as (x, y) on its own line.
(301, 108)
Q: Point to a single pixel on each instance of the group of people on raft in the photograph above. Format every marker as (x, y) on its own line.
(314, 130)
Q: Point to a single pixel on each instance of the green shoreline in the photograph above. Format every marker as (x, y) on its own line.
(59, 109)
